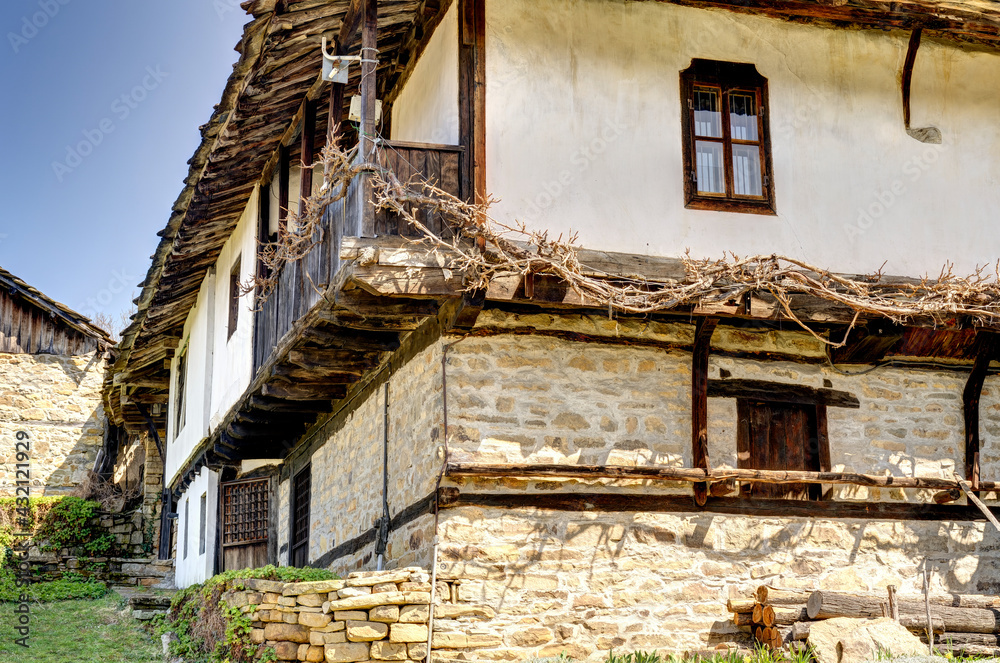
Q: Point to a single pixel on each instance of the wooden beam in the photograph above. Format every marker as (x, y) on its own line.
(307, 148)
(911, 57)
(369, 87)
(987, 348)
(472, 97)
(283, 177)
(699, 402)
(449, 497)
(696, 475)
(349, 27)
(781, 392)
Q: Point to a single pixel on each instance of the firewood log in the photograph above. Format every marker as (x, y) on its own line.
(824, 605)
(758, 633)
(800, 630)
(740, 605)
(767, 616)
(776, 596)
(758, 613)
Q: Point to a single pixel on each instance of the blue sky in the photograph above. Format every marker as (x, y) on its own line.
(102, 100)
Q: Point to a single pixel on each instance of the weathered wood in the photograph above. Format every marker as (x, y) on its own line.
(778, 596)
(825, 605)
(978, 502)
(740, 605)
(781, 392)
(987, 347)
(450, 497)
(699, 402)
(368, 128)
(800, 630)
(893, 603)
(696, 475)
(306, 151)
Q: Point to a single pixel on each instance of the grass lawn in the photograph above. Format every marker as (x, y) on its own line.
(78, 632)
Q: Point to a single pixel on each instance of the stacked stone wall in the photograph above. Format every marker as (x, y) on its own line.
(56, 400)
(378, 616)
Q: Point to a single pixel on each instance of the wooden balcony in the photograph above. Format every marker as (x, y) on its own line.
(302, 284)
(314, 338)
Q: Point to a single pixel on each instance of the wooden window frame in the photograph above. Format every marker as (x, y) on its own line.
(187, 520)
(294, 541)
(727, 77)
(203, 524)
(234, 297)
(822, 439)
(180, 416)
(251, 496)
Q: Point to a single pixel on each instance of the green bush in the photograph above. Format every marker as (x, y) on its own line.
(71, 586)
(71, 523)
(209, 630)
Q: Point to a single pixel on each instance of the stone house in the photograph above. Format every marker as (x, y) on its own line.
(603, 443)
(52, 364)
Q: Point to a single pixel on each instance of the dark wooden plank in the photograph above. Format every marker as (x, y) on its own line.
(763, 390)
(619, 503)
(970, 404)
(283, 175)
(699, 401)
(369, 89)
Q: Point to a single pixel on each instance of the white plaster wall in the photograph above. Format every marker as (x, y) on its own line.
(234, 355)
(426, 111)
(196, 337)
(584, 134)
(195, 567)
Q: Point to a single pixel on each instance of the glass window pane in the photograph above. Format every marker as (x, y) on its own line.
(707, 115)
(743, 116)
(746, 170)
(709, 167)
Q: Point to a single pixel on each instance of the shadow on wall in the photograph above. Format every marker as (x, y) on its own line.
(56, 400)
(679, 569)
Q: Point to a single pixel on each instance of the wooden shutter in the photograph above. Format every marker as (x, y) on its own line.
(779, 436)
(300, 518)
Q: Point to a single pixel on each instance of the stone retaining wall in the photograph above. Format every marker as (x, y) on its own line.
(56, 400)
(377, 616)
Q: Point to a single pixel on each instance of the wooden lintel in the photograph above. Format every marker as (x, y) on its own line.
(699, 402)
(764, 390)
(449, 497)
(697, 475)
(986, 351)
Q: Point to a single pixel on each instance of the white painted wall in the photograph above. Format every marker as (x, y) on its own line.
(194, 567)
(583, 129)
(234, 355)
(426, 110)
(198, 329)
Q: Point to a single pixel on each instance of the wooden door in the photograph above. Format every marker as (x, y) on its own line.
(778, 436)
(245, 516)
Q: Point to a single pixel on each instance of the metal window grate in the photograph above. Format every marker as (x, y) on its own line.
(245, 509)
(300, 518)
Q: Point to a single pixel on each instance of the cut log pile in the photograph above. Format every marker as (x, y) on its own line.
(961, 624)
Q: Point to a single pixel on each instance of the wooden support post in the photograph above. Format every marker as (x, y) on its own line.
(986, 349)
(699, 402)
(283, 174)
(308, 147)
(472, 98)
(369, 55)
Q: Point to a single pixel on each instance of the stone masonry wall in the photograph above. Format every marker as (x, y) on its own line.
(347, 469)
(379, 616)
(57, 401)
(585, 583)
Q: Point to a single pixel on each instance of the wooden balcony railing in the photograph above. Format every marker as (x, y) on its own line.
(301, 283)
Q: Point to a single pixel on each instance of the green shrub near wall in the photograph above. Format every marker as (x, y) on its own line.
(211, 631)
(55, 523)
